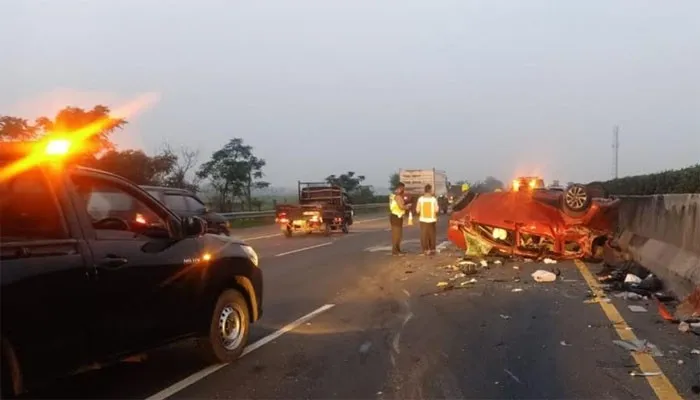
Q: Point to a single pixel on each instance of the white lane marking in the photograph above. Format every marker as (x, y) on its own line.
(279, 234)
(262, 237)
(197, 376)
(303, 249)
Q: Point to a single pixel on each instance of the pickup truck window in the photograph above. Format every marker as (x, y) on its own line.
(176, 202)
(195, 205)
(29, 210)
(111, 208)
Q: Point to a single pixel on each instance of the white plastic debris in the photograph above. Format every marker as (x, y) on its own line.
(517, 289)
(634, 373)
(631, 278)
(543, 276)
(684, 327)
(549, 261)
(498, 262)
(635, 308)
(484, 263)
(505, 316)
(695, 351)
(460, 275)
(467, 263)
(468, 282)
(516, 267)
(629, 296)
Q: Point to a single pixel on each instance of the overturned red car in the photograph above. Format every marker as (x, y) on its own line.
(535, 222)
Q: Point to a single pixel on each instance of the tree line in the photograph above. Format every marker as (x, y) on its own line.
(234, 171)
(685, 180)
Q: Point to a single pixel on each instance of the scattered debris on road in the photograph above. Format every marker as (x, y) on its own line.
(635, 373)
(544, 276)
(503, 316)
(517, 290)
(565, 343)
(636, 308)
(515, 378)
(639, 346)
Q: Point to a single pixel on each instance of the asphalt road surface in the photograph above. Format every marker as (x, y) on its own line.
(344, 319)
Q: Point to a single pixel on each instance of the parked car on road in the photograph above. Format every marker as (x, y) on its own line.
(95, 270)
(187, 204)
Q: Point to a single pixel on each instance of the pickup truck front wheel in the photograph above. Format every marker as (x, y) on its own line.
(229, 328)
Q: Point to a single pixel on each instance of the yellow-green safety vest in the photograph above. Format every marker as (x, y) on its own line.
(394, 207)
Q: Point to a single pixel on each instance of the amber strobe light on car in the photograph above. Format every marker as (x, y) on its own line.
(516, 185)
(57, 147)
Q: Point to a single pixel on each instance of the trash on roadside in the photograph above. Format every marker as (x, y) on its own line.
(527, 260)
(636, 308)
(516, 267)
(549, 261)
(639, 346)
(684, 327)
(468, 282)
(498, 262)
(695, 351)
(544, 276)
(484, 263)
(631, 278)
(442, 284)
(681, 362)
(459, 275)
(503, 316)
(517, 289)
(629, 296)
(565, 343)
(635, 373)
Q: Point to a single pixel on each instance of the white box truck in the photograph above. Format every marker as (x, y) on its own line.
(416, 179)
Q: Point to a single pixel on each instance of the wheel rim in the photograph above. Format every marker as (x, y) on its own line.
(231, 327)
(576, 197)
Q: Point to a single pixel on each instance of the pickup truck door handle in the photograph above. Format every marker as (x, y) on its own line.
(113, 262)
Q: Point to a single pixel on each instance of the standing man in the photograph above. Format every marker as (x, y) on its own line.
(397, 209)
(427, 207)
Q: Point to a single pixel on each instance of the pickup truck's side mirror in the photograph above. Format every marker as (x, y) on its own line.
(193, 226)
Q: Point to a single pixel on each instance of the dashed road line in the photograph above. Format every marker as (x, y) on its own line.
(303, 249)
(660, 384)
(197, 376)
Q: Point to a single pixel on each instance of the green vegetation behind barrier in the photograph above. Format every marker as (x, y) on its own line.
(686, 180)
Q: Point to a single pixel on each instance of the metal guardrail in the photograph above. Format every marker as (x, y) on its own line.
(271, 213)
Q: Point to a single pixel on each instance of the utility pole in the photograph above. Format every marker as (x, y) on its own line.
(616, 149)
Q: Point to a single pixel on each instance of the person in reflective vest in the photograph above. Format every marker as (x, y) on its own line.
(427, 208)
(397, 209)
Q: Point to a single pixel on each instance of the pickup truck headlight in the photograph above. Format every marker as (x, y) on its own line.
(252, 255)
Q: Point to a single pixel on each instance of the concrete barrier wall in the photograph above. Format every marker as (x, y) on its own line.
(662, 233)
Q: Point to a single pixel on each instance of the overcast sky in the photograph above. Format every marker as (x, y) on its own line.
(318, 87)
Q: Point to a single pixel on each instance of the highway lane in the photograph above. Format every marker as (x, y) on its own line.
(389, 335)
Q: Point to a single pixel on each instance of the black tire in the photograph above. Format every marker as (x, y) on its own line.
(230, 308)
(576, 199)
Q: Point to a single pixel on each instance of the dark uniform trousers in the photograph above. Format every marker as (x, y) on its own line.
(428, 234)
(396, 233)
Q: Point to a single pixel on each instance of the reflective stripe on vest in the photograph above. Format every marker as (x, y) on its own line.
(427, 208)
(394, 206)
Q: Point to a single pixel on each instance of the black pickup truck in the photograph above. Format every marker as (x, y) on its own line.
(89, 281)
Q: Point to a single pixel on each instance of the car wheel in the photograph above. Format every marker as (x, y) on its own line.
(576, 199)
(228, 329)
